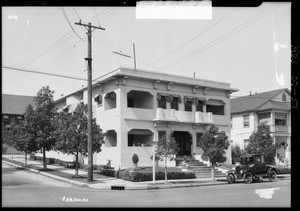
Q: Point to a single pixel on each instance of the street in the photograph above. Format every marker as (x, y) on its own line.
(22, 188)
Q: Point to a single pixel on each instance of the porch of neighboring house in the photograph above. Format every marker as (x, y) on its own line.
(283, 154)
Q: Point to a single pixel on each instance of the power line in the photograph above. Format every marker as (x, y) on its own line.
(76, 13)
(68, 49)
(181, 46)
(218, 40)
(68, 21)
(96, 15)
(43, 73)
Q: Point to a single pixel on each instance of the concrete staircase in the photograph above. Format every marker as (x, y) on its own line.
(201, 170)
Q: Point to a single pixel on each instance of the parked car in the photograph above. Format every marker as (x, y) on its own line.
(251, 168)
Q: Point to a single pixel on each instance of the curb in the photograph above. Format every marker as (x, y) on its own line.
(133, 186)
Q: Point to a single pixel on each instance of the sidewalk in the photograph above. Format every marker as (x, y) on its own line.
(66, 174)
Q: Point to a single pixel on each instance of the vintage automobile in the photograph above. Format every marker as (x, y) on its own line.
(251, 168)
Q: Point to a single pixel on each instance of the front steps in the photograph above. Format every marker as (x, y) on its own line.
(201, 170)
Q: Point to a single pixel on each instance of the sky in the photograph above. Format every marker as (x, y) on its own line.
(248, 47)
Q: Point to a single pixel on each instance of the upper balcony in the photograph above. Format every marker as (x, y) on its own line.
(172, 115)
(279, 128)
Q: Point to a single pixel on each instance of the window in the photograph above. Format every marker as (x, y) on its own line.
(162, 102)
(199, 106)
(246, 142)
(283, 97)
(188, 106)
(280, 118)
(215, 106)
(110, 101)
(188, 103)
(140, 137)
(110, 138)
(246, 120)
(174, 103)
(264, 118)
(198, 136)
(98, 99)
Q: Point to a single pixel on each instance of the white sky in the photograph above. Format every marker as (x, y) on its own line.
(237, 46)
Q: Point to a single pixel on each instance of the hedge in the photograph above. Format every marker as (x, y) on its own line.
(136, 176)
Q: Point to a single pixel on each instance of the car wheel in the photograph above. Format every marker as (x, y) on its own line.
(248, 177)
(272, 175)
(230, 178)
(255, 179)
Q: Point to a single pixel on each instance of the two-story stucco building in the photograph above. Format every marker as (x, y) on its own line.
(135, 107)
(273, 108)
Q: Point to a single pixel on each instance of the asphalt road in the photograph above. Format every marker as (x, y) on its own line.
(22, 188)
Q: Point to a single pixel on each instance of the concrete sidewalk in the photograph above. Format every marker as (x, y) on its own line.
(66, 174)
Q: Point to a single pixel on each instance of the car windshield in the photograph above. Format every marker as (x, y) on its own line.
(246, 160)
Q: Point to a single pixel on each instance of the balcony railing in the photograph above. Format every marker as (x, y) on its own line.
(278, 128)
(172, 115)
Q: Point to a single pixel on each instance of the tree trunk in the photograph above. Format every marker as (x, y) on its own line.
(212, 172)
(166, 176)
(44, 159)
(12, 154)
(76, 165)
(25, 158)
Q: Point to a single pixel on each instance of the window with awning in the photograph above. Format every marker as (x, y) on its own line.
(140, 137)
(175, 100)
(188, 100)
(199, 103)
(110, 138)
(215, 106)
(162, 99)
(98, 99)
(110, 101)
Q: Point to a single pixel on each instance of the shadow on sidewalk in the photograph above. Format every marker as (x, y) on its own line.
(60, 171)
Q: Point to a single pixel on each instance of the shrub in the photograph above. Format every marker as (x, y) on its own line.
(108, 172)
(135, 158)
(138, 176)
(282, 169)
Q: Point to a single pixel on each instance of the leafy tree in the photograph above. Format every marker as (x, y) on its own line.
(11, 134)
(236, 153)
(43, 121)
(214, 144)
(167, 147)
(26, 141)
(261, 142)
(71, 134)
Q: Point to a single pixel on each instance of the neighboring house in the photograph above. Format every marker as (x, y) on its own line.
(13, 107)
(135, 107)
(273, 108)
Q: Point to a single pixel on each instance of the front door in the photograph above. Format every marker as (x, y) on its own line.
(184, 140)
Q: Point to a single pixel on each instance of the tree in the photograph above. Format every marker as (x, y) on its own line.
(11, 134)
(26, 141)
(260, 142)
(236, 153)
(43, 121)
(214, 144)
(71, 134)
(167, 148)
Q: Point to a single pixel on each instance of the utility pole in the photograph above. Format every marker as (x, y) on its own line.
(89, 79)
